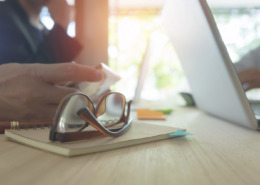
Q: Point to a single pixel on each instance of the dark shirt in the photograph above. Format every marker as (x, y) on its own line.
(43, 46)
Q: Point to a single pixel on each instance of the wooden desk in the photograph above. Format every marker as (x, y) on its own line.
(217, 153)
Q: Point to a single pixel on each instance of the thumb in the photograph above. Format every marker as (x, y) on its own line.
(64, 72)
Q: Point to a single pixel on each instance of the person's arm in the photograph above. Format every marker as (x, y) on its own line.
(33, 91)
(250, 60)
(248, 69)
(60, 46)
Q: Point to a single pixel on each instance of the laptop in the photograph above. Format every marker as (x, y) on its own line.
(210, 72)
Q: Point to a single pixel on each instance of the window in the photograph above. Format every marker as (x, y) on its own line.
(130, 33)
(131, 29)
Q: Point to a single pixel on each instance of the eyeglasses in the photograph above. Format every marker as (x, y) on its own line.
(76, 112)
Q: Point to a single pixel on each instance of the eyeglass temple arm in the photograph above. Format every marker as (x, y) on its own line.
(91, 119)
(86, 115)
(125, 118)
(75, 136)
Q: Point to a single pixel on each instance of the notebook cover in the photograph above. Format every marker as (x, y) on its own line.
(138, 133)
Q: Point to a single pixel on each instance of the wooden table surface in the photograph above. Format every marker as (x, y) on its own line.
(217, 152)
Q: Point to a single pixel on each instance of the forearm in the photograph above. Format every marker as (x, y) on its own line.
(59, 46)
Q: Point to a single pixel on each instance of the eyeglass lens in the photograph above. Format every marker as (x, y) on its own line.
(109, 112)
(69, 120)
(111, 109)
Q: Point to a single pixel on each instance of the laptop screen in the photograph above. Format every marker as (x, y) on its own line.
(211, 75)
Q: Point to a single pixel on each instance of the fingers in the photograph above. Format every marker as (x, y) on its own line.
(250, 78)
(31, 91)
(248, 75)
(44, 112)
(243, 76)
(250, 86)
(54, 95)
(61, 73)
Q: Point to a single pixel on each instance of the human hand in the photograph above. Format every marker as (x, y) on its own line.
(250, 78)
(33, 91)
(61, 12)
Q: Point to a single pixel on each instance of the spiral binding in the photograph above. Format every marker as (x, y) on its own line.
(14, 125)
(17, 125)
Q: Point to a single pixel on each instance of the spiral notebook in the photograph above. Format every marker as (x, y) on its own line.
(138, 133)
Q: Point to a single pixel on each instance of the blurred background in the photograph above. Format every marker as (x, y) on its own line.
(121, 32)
